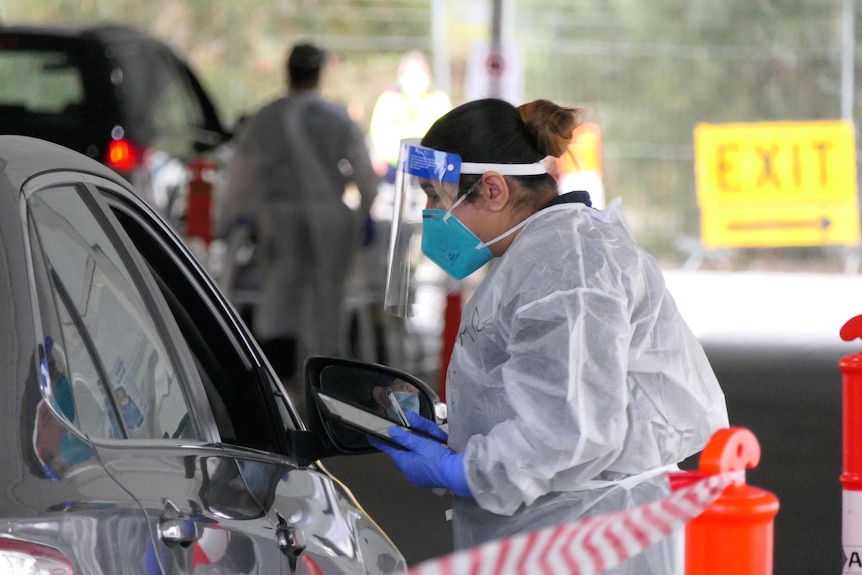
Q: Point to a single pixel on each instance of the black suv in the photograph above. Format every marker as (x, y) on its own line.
(115, 94)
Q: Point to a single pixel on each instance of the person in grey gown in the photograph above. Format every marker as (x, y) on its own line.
(286, 180)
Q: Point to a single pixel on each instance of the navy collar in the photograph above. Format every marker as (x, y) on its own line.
(578, 197)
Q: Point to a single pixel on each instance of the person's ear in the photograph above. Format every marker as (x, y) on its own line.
(495, 190)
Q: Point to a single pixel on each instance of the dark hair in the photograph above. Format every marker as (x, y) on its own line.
(304, 65)
(492, 130)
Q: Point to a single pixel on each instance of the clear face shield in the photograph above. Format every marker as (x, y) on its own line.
(421, 173)
(429, 177)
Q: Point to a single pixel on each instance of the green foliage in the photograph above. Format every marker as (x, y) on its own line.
(648, 72)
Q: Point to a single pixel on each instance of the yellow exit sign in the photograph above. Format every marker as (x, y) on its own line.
(777, 184)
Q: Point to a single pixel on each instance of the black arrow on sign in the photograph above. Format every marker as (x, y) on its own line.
(819, 223)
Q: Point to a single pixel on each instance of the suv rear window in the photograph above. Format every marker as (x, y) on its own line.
(156, 89)
(40, 82)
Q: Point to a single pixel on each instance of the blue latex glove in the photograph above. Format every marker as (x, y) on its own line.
(369, 231)
(424, 462)
(424, 424)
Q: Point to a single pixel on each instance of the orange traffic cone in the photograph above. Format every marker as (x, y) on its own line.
(451, 321)
(851, 475)
(198, 208)
(734, 536)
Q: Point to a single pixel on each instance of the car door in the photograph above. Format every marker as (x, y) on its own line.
(319, 526)
(135, 388)
(58, 505)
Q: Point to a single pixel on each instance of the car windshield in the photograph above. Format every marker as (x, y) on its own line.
(40, 81)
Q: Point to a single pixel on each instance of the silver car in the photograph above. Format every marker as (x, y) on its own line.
(144, 430)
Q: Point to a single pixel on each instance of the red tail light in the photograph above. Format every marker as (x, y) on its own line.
(123, 155)
(22, 557)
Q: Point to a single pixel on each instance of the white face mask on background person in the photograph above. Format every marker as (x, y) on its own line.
(414, 81)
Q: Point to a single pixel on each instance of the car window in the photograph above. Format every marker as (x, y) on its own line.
(41, 82)
(120, 379)
(157, 89)
(176, 109)
(241, 393)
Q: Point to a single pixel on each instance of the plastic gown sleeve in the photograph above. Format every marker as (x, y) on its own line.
(364, 176)
(566, 380)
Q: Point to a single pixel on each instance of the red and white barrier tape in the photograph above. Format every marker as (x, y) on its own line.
(588, 547)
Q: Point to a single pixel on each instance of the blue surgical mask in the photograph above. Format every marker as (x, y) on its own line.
(407, 400)
(451, 245)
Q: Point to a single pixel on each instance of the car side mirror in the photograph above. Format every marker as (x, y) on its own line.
(352, 399)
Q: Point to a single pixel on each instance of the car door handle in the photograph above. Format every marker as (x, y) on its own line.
(291, 541)
(176, 527)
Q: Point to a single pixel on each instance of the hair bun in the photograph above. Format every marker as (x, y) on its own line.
(551, 125)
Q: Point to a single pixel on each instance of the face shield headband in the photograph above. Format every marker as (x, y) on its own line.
(422, 172)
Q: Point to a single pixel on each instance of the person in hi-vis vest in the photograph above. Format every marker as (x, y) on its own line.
(405, 110)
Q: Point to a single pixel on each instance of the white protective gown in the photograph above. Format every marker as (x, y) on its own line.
(288, 175)
(572, 372)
